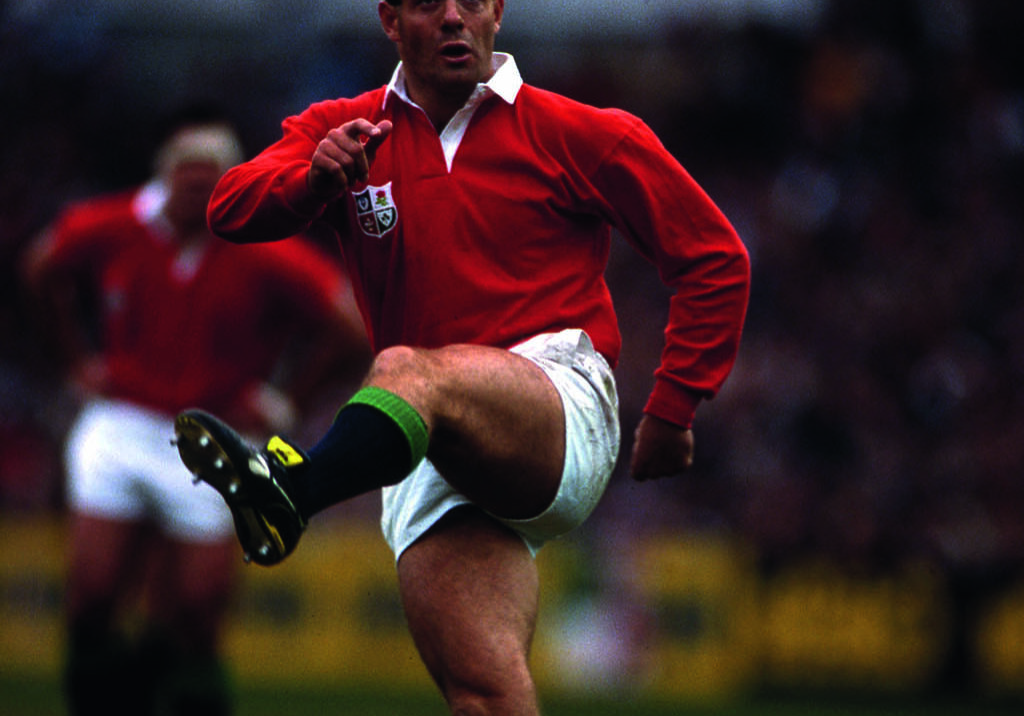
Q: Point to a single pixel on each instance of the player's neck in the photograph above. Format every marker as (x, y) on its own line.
(440, 103)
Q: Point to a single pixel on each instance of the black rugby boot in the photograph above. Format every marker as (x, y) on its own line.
(254, 483)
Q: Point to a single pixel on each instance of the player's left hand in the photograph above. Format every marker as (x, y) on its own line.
(660, 449)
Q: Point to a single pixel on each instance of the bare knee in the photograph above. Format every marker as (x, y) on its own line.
(510, 693)
(489, 679)
(397, 364)
(414, 374)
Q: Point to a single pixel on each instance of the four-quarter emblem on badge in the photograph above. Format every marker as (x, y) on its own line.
(376, 210)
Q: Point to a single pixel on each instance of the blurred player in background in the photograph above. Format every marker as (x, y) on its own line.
(155, 314)
(475, 214)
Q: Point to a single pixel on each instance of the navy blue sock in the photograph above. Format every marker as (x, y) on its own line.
(376, 439)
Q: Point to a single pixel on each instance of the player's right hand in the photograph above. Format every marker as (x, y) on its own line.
(344, 156)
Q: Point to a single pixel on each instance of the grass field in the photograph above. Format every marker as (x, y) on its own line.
(40, 697)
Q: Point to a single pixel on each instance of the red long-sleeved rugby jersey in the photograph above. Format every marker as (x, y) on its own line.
(183, 328)
(499, 228)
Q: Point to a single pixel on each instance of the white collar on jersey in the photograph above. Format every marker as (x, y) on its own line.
(505, 82)
(148, 205)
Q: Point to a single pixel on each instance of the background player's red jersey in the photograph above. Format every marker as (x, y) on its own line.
(184, 325)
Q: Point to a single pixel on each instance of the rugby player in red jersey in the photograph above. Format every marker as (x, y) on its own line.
(182, 319)
(475, 213)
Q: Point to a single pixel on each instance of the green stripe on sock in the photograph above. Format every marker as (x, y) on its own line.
(404, 415)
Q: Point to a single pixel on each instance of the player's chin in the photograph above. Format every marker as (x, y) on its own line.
(459, 76)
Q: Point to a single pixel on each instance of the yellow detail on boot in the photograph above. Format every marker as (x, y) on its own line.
(284, 452)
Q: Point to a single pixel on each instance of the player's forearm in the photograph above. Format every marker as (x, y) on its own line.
(702, 338)
(261, 201)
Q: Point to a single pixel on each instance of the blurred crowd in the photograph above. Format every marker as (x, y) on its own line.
(873, 164)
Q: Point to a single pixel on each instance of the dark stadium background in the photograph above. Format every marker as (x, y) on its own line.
(852, 538)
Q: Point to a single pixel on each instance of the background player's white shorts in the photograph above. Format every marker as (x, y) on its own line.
(587, 386)
(121, 465)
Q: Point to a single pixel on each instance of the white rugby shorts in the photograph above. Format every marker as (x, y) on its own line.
(121, 465)
(587, 386)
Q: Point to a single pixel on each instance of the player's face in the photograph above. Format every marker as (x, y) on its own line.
(190, 185)
(445, 45)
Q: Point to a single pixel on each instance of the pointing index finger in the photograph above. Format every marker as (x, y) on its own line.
(374, 138)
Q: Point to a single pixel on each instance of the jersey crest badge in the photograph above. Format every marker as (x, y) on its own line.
(376, 210)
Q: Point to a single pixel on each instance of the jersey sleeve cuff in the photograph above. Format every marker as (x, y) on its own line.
(672, 403)
(296, 192)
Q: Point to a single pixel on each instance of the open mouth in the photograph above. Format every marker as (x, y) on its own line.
(456, 52)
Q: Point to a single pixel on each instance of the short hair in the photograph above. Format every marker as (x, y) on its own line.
(215, 143)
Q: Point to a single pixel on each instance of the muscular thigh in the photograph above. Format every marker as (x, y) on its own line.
(496, 420)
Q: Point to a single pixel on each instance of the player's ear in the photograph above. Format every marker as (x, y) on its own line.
(388, 14)
(499, 12)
